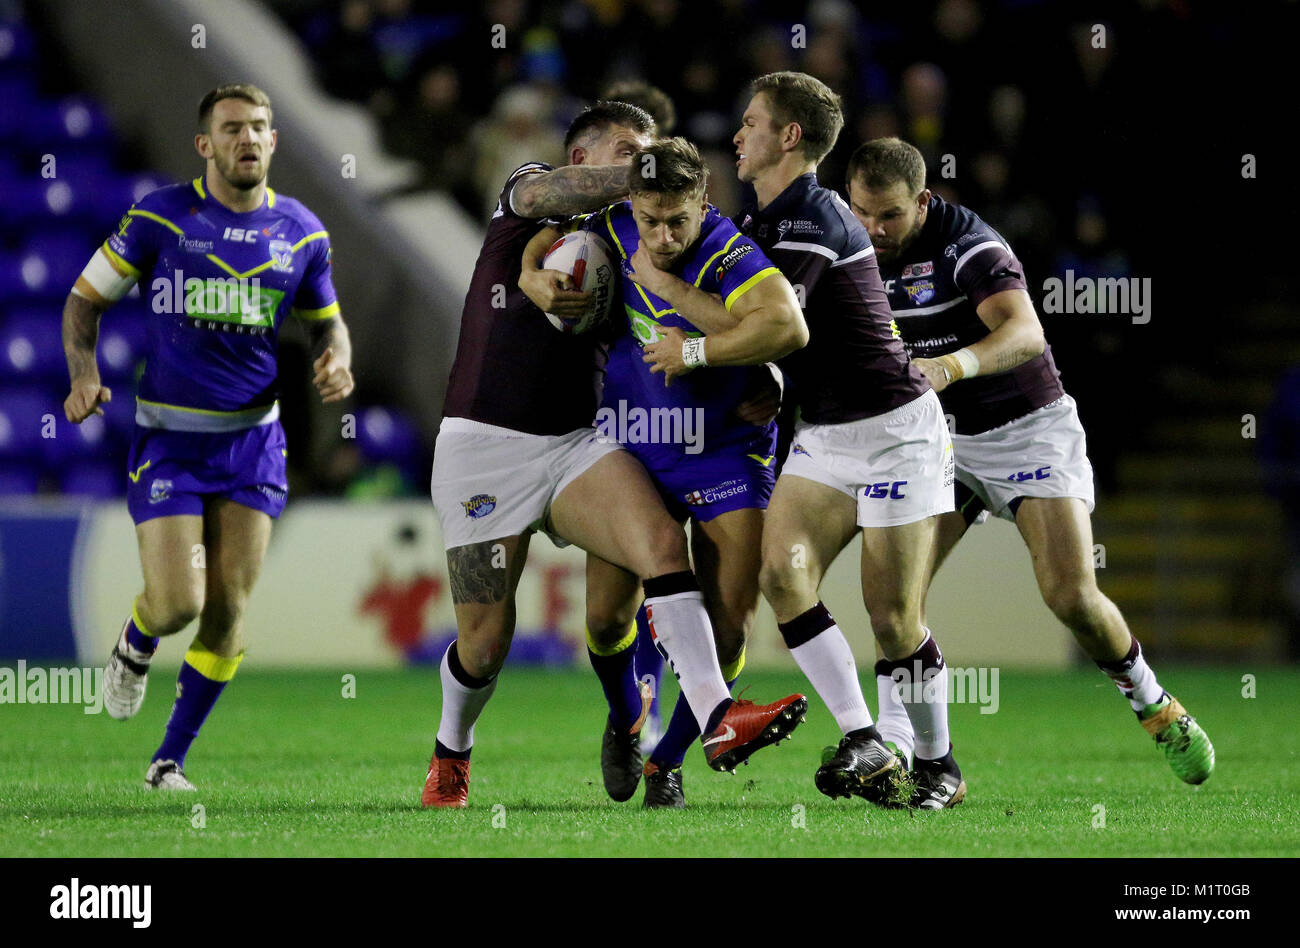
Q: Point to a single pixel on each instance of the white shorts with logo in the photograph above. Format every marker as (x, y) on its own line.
(490, 482)
(897, 466)
(1041, 454)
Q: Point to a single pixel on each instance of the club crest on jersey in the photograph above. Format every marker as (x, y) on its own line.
(160, 490)
(918, 270)
(281, 255)
(921, 292)
(480, 505)
(800, 449)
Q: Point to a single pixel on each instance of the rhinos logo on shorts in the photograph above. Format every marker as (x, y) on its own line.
(480, 505)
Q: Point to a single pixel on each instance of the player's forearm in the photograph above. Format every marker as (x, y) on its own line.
(331, 334)
(535, 252)
(80, 336)
(575, 189)
(1013, 343)
(759, 337)
(703, 310)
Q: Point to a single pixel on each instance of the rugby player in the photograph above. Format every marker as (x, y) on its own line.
(959, 297)
(226, 260)
(870, 454)
(517, 453)
(673, 246)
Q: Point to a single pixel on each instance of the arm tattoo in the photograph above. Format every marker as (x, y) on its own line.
(1011, 359)
(80, 334)
(574, 189)
(473, 576)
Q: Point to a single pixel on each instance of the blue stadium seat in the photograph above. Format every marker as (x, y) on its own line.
(122, 341)
(31, 348)
(17, 48)
(71, 444)
(23, 415)
(70, 122)
(386, 435)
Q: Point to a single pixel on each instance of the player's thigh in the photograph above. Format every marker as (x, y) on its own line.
(613, 596)
(613, 510)
(484, 577)
(727, 553)
(236, 538)
(807, 525)
(1058, 532)
(895, 561)
(172, 559)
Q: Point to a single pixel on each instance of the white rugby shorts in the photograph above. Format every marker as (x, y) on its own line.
(1041, 454)
(898, 466)
(490, 482)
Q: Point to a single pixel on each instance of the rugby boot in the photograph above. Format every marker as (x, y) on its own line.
(620, 752)
(166, 775)
(866, 768)
(938, 784)
(1186, 745)
(746, 727)
(447, 783)
(663, 787)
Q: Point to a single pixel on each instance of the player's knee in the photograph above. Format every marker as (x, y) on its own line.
(664, 550)
(221, 613)
(173, 610)
(606, 627)
(779, 578)
(1072, 599)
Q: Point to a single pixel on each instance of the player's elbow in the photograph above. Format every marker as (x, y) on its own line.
(793, 332)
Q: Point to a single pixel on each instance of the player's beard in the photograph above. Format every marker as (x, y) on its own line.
(888, 255)
(241, 178)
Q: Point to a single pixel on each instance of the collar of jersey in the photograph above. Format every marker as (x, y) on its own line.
(796, 188)
(202, 192)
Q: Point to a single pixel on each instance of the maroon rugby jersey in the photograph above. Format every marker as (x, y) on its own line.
(953, 265)
(512, 368)
(854, 365)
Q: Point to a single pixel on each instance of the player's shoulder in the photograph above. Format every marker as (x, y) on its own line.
(822, 218)
(169, 199)
(295, 210)
(717, 231)
(958, 228)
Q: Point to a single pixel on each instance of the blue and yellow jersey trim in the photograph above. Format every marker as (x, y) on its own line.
(748, 285)
(203, 194)
(313, 315)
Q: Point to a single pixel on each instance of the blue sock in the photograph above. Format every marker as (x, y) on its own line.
(683, 729)
(613, 667)
(648, 663)
(136, 637)
(203, 677)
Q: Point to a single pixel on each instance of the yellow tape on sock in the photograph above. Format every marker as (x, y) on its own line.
(624, 643)
(211, 665)
(135, 617)
(732, 672)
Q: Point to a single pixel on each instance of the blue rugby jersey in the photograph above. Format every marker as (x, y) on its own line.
(219, 285)
(720, 261)
(934, 287)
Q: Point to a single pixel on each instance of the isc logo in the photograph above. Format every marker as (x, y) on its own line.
(240, 235)
(1042, 474)
(885, 489)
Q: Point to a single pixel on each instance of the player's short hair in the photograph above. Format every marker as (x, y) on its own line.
(798, 97)
(881, 162)
(234, 90)
(651, 98)
(594, 120)
(669, 166)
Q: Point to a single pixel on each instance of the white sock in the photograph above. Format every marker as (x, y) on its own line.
(894, 724)
(926, 699)
(461, 707)
(827, 661)
(1137, 682)
(682, 630)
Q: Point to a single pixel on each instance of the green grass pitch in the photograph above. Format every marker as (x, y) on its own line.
(286, 766)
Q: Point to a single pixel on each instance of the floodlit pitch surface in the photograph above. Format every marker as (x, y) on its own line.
(288, 767)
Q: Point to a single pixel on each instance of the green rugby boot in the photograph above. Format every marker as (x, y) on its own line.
(1186, 745)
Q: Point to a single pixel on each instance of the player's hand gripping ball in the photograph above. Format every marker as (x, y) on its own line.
(590, 266)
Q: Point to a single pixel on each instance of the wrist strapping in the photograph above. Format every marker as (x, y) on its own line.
(693, 353)
(961, 364)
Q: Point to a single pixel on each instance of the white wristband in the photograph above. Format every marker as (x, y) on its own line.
(693, 353)
(970, 364)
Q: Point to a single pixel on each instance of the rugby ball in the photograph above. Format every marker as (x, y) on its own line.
(589, 261)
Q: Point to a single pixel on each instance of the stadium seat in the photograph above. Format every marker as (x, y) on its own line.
(122, 341)
(74, 443)
(31, 348)
(386, 435)
(24, 414)
(20, 479)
